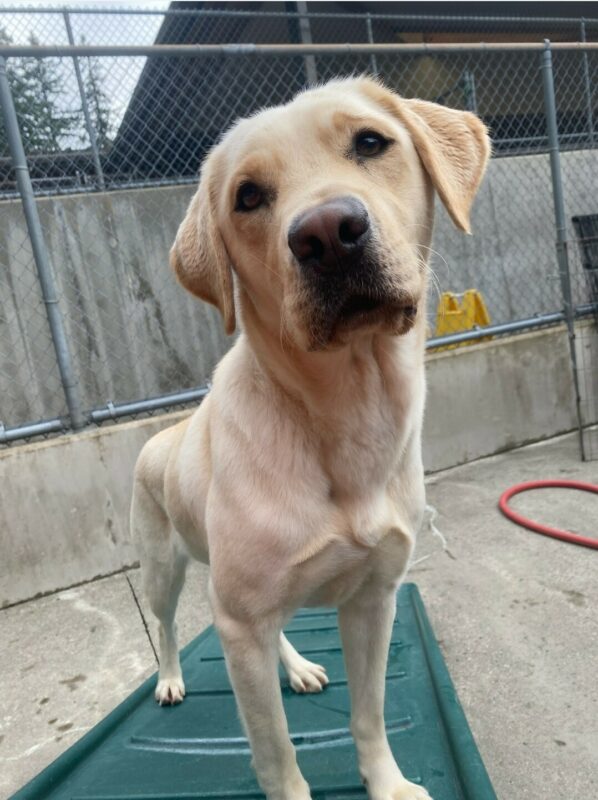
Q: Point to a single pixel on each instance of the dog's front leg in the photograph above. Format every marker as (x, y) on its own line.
(366, 622)
(251, 651)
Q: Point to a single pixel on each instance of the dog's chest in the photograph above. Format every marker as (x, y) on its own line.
(365, 448)
(366, 519)
(371, 537)
(360, 454)
(359, 469)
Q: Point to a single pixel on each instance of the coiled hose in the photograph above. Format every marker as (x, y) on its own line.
(537, 527)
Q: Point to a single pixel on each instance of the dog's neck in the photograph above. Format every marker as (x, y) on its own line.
(321, 381)
(358, 405)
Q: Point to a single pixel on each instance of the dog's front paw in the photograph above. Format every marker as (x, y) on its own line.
(170, 691)
(385, 781)
(409, 791)
(403, 790)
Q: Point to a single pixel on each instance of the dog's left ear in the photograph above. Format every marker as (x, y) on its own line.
(453, 146)
(198, 256)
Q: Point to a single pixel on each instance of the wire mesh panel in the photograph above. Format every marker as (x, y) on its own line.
(576, 84)
(30, 387)
(134, 332)
(114, 146)
(107, 91)
(510, 258)
(129, 323)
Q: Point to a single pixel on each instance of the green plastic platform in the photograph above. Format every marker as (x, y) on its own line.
(197, 749)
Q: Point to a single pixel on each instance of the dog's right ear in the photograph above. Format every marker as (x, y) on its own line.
(453, 146)
(199, 258)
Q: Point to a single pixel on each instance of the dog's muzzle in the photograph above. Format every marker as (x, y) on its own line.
(345, 285)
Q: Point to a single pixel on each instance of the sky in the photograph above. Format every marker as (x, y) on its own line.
(120, 75)
(98, 28)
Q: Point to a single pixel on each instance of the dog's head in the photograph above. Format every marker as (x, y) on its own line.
(323, 210)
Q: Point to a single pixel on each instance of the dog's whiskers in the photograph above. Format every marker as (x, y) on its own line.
(435, 282)
(440, 256)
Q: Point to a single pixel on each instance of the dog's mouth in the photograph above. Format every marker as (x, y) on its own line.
(363, 312)
(358, 309)
(359, 305)
(372, 299)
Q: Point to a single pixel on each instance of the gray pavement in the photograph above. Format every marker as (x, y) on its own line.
(515, 614)
(70, 658)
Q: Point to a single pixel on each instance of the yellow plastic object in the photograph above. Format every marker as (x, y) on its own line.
(457, 313)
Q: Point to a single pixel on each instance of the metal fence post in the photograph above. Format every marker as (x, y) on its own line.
(471, 101)
(88, 123)
(587, 84)
(373, 60)
(311, 72)
(40, 254)
(561, 222)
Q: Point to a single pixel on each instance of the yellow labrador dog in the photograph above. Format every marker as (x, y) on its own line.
(299, 479)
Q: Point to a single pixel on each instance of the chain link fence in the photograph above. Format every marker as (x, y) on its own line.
(576, 83)
(113, 140)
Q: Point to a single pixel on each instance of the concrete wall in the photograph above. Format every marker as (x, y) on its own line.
(497, 395)
(65, 502)
(135, 333)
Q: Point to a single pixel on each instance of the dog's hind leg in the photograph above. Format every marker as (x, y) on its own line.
(303, 675)
(163, 565)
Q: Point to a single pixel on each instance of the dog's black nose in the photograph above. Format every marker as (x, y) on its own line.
(330, 236)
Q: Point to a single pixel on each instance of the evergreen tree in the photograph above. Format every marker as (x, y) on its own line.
(48, 123)
(6, 39)
(36, 87)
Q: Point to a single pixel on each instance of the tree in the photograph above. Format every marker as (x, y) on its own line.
(39, 99)
(48, 119)
(6, 39)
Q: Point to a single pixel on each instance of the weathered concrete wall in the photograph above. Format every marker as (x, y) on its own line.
(64, 516)
(65, 502)
(495, 396)
(135, 333)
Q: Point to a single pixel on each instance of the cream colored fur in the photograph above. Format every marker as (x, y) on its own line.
(299, 478)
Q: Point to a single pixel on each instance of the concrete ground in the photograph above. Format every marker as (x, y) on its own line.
(515, 614)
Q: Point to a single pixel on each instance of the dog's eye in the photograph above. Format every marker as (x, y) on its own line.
(249, 197)
(369, 144)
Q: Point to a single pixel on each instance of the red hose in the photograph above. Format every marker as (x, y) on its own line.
(537, 527)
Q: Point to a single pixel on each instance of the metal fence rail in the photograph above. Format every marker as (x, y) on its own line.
(211, 50)
(92, 325)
